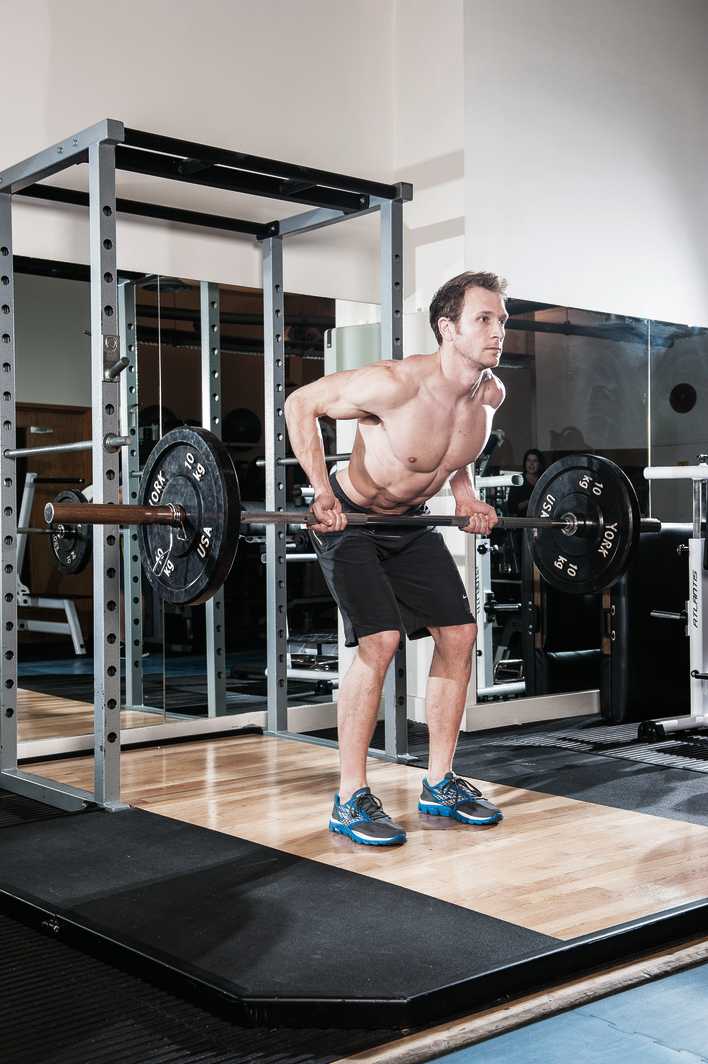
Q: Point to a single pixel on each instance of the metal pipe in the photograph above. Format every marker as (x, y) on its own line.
(696, 472)
(294, 462)
(113, 514)
(51, 448)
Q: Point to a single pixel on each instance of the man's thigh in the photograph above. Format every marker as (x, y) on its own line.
(427, 585)
(357, 580)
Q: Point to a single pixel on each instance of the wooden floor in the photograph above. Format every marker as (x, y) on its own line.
(555, 865)
(41, 716)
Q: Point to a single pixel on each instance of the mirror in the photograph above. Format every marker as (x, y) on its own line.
(576, 381)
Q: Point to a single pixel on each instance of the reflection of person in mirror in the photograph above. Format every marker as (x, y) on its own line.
(421, 421)
(533, 466)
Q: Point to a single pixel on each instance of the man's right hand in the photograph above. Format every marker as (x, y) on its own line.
(328, 510)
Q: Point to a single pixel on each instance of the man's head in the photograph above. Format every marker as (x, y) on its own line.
(469, 313)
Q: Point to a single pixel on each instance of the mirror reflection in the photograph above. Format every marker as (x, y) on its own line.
(576, 381)
(627, 389)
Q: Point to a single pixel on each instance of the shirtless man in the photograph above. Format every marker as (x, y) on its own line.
(421, 421)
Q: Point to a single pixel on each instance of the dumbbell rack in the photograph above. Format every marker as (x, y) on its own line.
(656, 730)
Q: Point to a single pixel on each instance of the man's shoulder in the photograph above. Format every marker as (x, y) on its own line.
(408, 371)
(492, 392)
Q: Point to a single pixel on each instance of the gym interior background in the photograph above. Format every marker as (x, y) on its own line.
(555, 143)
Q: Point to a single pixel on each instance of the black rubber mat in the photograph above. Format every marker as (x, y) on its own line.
(254, 922)
(16, 809)
(577, 759)
(280, 940)
(61, 1006)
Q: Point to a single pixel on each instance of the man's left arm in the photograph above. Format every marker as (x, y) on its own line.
(483, 517)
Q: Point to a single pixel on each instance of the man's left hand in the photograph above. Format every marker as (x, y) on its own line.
(482, 517)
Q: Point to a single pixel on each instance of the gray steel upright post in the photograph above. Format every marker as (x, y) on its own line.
(211, 419)
(8, 498)
(105, 351)
(274, 376)
(395, 695)
(132, 570)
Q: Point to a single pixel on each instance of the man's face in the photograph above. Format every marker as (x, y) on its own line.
(478, 334)
(532, 464)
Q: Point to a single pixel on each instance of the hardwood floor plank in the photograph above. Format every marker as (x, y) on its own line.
(42, 716)
(555, 865)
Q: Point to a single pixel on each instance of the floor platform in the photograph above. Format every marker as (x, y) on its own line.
(227, 878)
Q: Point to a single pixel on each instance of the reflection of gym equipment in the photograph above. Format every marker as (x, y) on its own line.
(561, 638)
(645, 666)
(25, 599)
(492, 664)
(242, 426)
(654, 730)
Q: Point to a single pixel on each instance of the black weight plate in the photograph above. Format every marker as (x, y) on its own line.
(595, 556)
(191, 468)
(70, 545)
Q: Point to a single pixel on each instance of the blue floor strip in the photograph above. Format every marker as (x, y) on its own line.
(662, 1022)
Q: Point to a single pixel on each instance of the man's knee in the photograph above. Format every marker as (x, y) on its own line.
(455, 639)
(379, 648)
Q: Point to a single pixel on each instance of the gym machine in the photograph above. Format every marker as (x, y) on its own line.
(693, 615)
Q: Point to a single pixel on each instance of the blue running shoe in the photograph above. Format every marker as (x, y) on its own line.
(362, 819)
(455, 797)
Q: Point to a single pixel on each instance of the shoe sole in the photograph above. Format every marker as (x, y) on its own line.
(448, 811)
(342, 829)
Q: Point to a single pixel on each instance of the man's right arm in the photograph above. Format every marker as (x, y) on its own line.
(342, 396)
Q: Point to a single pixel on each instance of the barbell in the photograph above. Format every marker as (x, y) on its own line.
(582, 521)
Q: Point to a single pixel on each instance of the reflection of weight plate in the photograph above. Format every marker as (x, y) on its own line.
(192, 469)
(70, 546)
(594, 557)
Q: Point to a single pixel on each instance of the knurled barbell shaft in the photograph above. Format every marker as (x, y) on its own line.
(304, 517)
(121, 514)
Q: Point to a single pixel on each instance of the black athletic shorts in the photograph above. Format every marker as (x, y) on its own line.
(390, 577)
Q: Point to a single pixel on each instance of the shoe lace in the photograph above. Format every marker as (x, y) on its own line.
(371, 805)
(460, 788)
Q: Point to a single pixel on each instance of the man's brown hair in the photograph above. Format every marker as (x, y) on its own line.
(448, 300)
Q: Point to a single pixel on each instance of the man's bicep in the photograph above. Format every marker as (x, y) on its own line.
(347, 394)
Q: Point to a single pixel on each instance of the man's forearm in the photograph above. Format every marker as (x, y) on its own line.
(462, 488)
(306, 442)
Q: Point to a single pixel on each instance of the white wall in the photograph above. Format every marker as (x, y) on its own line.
(586, 154)
(304, 82)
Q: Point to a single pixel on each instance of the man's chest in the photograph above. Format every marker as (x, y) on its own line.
(425, 436)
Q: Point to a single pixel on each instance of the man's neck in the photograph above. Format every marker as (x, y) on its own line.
(457, 374)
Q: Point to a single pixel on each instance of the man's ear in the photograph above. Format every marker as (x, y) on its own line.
(446, 329)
